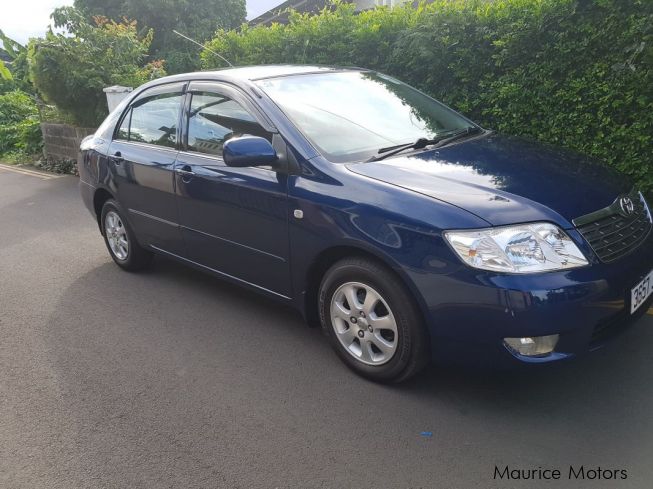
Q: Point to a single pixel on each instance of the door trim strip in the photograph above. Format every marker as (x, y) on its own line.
(173, 224)
(154, 218)
(280, 258)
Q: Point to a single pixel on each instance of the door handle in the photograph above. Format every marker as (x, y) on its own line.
(117, 157)
(185, 171)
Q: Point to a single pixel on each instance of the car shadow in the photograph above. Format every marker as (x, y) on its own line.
(592, 386)
(189, 309)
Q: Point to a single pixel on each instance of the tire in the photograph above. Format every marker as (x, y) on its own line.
(120, 239)
(384, 338)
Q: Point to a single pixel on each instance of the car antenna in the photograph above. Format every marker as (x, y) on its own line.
(203, 47)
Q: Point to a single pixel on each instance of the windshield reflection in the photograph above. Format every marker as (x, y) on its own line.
(348, 116)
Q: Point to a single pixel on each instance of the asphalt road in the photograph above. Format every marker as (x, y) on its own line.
(172, 378)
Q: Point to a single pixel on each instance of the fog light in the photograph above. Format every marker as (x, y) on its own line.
(535, 346)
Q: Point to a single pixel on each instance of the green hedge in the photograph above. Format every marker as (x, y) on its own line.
(569, 72)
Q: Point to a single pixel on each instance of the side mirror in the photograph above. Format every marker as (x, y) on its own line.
(248, 151)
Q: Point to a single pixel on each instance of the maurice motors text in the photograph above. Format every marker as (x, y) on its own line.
(573, 473)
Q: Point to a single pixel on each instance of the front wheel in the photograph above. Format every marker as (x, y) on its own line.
(372, 321)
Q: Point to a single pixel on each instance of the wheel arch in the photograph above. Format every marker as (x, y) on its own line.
(100, 196)
(327, 257)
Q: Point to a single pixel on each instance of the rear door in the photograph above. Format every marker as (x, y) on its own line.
(142, 157)
(234, 220)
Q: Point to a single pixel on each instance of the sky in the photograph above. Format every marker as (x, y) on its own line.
(257, 7)
(22, 19)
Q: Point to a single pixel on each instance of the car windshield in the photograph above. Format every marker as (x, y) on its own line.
(349, 116)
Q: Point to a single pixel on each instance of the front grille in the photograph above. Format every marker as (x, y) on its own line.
(614, 232)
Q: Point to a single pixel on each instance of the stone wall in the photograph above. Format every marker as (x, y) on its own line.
(61, 141)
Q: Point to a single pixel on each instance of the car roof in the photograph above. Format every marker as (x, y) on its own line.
(271, 71)
(250, 73)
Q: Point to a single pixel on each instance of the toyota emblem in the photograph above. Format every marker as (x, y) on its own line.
(627, 205)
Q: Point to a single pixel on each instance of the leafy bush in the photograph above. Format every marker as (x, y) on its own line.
(51, 114)
(576, 73)
(19, 124)
(16, 106)
(70, 70)
(55, 165)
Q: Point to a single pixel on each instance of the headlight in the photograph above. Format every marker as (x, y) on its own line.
(525, 248)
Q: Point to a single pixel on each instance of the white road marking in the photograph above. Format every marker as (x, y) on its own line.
(31, 173)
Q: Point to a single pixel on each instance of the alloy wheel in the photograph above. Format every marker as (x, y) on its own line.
(116, 235)
(364, 323)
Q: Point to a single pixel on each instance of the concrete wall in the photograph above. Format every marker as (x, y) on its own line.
(61, 141)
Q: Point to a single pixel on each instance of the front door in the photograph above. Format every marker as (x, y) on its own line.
(142, 157)
(234, 220)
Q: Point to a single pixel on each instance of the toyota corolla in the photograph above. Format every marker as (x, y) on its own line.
(407, 231)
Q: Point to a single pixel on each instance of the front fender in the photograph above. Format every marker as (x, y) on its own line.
(341, 211)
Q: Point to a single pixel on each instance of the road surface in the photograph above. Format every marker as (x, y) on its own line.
(172, 378)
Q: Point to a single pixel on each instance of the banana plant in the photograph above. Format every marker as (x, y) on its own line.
(5, 74)
(10, 50)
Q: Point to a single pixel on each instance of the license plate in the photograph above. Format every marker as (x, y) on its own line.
(640, 292)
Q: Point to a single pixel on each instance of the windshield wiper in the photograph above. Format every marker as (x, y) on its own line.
(468, 131)
(436, 142)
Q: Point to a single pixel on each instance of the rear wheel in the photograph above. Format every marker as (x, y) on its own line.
(372, 321)
(120, 239)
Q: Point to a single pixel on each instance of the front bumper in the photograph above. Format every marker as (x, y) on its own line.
(474, 310)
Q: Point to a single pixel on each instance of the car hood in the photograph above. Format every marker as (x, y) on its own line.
(504, 180)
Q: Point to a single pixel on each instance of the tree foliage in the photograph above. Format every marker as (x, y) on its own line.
(198, 19)
(576, 73)
(70, 70)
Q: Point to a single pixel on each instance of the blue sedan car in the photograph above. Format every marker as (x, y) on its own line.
(408, 232)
